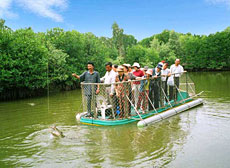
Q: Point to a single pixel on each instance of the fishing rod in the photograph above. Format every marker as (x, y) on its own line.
(192, 96)
(134, 108)
(166, 97)
(179, 93)
(151, 103)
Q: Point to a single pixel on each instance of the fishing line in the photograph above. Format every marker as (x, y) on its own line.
(47, 80)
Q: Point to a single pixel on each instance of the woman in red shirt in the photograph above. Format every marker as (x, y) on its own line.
(136, 84)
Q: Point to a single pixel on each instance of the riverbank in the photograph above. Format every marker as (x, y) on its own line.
(17, 94)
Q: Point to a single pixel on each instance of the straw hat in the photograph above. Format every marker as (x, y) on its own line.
(120, 69)
(149, 71)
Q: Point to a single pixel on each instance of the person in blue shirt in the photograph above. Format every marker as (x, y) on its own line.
(90, 89)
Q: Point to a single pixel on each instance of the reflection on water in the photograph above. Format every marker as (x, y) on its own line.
(208, 141)
(120, 146)
(181, 141)
(214, 84)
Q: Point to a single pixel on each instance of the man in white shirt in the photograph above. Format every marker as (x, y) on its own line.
(176, 70)
(109, 79)
(165, 73)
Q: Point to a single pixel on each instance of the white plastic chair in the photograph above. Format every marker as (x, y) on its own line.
(103, 106)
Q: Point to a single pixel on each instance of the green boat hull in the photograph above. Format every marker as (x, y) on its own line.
(122, 121)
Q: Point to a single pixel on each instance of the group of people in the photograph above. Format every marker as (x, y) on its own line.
(128, 86)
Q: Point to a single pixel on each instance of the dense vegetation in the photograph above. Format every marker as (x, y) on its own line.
(32, 62)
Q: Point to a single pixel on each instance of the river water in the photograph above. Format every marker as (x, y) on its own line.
(199, 137)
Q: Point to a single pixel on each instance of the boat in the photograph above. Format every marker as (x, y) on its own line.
(126, 110)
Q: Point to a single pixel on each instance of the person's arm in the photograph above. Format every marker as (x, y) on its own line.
(113, 80)
(76, 76)
(138, 78)
(103, 78)
(125, 78)
(98, 89)
(168, 73)
(98, 81)
(81, 77)
(116, 86)
(133, 77)
(171, 69)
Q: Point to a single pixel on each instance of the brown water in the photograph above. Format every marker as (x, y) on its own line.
(196, 138)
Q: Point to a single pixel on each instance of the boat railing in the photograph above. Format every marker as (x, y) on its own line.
(125, 99)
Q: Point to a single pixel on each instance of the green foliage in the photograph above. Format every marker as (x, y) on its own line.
(122, 42)
(24, 62)
(31, 62)
(164, 36)
(206, 52)
(135, 54)
(164, 50)
(196, 52)
(147, 41)
(129, 41)
(145, 56)
(152, 57)
(118, 40)
(57, 68)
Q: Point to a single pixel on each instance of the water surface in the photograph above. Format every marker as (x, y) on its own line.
(197, 138)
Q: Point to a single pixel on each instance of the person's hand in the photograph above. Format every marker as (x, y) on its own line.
(169, 74)
(117, 93)
(155, 76)
(97, 91)
(76, 76)
(111, 94)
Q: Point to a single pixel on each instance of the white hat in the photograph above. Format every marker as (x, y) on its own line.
(127, 65)
(160, 65)
(136, 65)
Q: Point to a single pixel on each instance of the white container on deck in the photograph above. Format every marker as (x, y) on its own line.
(169, 113)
